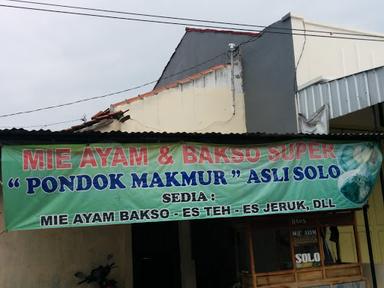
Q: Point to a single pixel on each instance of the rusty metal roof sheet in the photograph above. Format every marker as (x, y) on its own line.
(98, 117)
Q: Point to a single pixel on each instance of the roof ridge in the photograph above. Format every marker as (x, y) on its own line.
(192, 29)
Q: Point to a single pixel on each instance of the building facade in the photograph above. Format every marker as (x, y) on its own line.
(270, 69)
(255, 92)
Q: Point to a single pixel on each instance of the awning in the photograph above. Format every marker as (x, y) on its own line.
(344, 95)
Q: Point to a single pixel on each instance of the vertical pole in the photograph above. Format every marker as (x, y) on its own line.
(370, 252)
(357, 243)
(251, 255)
(376, 125)
(321, 241)
(232, 48)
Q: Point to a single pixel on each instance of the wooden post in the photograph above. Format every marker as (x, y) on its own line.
(320, 241)
(292, 246)
(251, 255)
(357, 243)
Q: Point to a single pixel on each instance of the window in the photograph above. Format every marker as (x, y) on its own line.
(303, 241)
(339, 245)
(306, 247)
(301, 250)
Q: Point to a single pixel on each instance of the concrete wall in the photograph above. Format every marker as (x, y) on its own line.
(195, 48)
(204, 104)
(49, 258)
(269, 81)
(332, 58)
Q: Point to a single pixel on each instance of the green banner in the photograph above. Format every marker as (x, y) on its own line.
(97, 184)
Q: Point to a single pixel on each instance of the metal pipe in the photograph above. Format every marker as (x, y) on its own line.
(232, 48)
(369, 243)
(297, 112)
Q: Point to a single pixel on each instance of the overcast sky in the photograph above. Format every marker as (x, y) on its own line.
(48, 59)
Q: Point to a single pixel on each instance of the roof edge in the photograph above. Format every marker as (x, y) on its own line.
(25, 137)
(171, 85)
(327, 79)
(234, 32)
(192, 29)
(169, 61)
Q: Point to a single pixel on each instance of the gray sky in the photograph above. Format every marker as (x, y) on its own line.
(48, 59)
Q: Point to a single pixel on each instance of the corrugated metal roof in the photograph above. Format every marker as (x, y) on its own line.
(21, 136)
(344, 95)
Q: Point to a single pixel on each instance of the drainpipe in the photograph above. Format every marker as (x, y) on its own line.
(297, 112)
(370, 252)
(232, 48)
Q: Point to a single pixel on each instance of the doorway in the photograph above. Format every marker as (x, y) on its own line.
(156, 257)
(214, 252)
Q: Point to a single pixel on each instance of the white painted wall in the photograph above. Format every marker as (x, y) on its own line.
(332, 58)
(200, 105)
